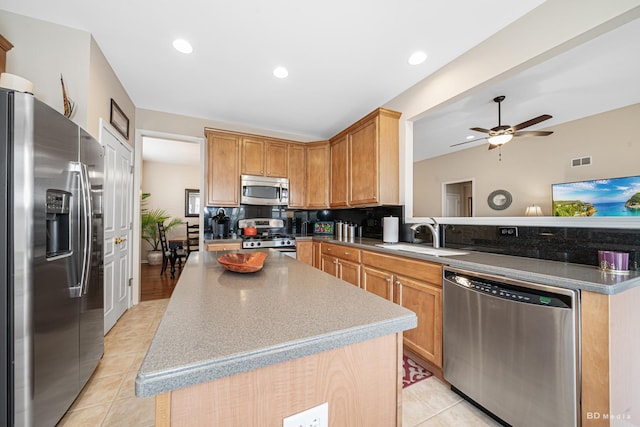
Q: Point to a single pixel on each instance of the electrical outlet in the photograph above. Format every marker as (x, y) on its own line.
(508, 231)
(317, 416)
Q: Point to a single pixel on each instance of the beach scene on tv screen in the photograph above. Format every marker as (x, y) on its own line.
(601, 197)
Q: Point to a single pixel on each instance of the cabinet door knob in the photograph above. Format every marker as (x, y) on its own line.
(388, 279)
(328, 249)
(398, 282)
(346, 253)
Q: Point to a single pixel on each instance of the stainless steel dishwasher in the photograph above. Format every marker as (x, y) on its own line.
(512, 347)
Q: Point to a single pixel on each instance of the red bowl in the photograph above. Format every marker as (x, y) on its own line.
(243, 262)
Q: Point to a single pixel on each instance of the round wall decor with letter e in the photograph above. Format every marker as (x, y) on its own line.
(499, 200)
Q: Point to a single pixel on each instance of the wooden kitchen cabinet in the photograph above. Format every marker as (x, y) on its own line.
(416, 285)
(5, 46)
(370, 163)
(377, 282)
(318, 161)
(339, 187)
(317, 255)
(424, 299)
(223, 246)
(342, 262)
(304, 251)
(263, 157)
(297, 174)
(223, 174)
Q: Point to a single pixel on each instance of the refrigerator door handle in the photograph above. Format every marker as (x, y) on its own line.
(87, 206)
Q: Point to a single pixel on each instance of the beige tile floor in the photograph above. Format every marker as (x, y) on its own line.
(108, 399)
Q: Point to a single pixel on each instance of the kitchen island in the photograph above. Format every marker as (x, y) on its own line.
(252, 349)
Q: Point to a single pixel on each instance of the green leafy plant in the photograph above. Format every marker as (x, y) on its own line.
(149, 223)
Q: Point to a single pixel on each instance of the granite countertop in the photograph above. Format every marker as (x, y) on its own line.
(553, 273)
(219, 323)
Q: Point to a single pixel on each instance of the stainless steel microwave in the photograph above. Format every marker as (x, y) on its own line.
(264, 190)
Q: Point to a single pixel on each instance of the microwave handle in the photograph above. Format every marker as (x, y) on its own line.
(280, 193)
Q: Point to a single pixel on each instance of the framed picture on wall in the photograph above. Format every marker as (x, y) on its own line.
(118, 119)
(598, 197)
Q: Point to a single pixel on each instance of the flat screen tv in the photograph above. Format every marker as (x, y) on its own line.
(598, 197)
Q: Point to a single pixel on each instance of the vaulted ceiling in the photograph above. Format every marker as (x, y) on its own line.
(345, 58)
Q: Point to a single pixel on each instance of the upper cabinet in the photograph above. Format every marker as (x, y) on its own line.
(365, 161)
(339, 192)
(358, 167)
(264, 157)
(223, 177)
(318, 160)
(297, 175)
(5, 46)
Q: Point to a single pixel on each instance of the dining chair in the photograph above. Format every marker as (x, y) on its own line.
(193, 238)
(170, 253)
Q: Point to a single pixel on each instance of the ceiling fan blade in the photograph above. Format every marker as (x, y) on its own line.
(492, 146)
(466, 142)
(532, 133)
(480, 130)
(531, 122)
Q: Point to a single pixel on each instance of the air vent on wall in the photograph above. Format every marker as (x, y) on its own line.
(581, 161)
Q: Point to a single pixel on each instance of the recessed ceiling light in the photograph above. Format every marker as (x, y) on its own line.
(280, 72)
(182, 46)
(470, 136)
(417, 58)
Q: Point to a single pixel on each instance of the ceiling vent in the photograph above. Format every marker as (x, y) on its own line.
(581, 161)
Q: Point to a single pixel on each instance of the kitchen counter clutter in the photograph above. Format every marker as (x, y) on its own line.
(219, 323)
(554, 273)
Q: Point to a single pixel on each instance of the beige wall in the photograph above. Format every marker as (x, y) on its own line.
(175, 124)
(530, 165)
(103, 86)
(166, 182)
(553, 27)
(42, 51)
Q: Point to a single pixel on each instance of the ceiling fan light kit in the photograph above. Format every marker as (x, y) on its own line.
(500, 139)
(501, 134)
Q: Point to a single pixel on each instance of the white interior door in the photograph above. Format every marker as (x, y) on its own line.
(118, 197)
(453, 204)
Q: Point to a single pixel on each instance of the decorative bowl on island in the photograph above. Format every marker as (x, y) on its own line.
(243, 262)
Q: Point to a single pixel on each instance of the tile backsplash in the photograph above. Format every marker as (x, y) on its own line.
(575, 245)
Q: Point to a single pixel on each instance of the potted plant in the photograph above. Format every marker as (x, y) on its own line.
(149, 230)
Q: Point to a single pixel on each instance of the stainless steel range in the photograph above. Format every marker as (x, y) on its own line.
(271, 233)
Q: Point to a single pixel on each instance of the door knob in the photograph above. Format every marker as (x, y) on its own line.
(118, 240)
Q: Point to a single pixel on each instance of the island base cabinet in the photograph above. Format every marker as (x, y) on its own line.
(362, 384)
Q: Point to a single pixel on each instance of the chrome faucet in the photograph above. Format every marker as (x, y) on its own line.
(434, 229)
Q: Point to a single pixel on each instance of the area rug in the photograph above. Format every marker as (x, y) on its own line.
(412, 372)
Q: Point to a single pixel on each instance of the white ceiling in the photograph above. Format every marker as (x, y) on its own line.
(597, 76)
(345, 58)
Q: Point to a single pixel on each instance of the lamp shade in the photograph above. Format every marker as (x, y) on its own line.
(533, 210)
(500, 139)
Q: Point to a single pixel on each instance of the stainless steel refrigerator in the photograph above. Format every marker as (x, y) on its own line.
(51, 260)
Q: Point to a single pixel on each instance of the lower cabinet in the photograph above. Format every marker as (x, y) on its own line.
(304, 251)
(377, 282)
(341, 261)
(413, 284)
(230, 246)
(425, 300)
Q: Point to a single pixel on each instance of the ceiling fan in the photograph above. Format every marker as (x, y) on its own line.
(502, 134)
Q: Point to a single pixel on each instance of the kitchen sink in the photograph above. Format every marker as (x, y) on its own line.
(421, 249)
